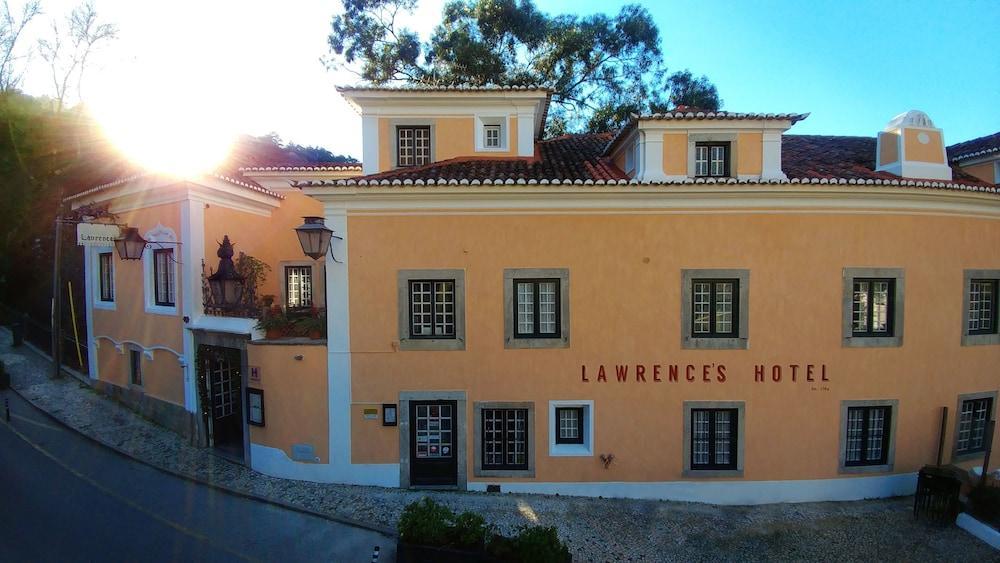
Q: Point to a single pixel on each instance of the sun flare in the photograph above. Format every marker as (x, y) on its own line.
(182, 131)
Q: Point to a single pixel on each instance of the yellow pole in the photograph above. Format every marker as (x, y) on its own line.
(76, 333)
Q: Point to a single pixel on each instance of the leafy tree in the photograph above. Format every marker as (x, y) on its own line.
(601, 68)
(686, 90)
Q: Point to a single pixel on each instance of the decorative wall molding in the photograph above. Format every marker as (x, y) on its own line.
(146, 350)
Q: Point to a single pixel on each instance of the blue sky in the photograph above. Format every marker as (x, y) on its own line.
(254, 65)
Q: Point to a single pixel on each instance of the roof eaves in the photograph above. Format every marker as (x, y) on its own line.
(968, 155)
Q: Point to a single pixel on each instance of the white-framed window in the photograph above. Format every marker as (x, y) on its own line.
(160, 261)
(298, 287)
(571, 428)
(491, 133)
(102, 277)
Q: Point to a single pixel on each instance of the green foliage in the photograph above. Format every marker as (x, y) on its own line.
(984, 503)
(274, 319)
(686, 90)
(601, 68)
(469, 530)
(427, 523)
(254, 272)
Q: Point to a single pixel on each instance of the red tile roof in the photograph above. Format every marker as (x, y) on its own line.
(981, 146)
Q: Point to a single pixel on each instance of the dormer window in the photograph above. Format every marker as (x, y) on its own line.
(413, 145)
(711, 160)
(491, 136)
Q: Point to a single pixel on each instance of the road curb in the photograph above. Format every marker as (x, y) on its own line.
(225, 488)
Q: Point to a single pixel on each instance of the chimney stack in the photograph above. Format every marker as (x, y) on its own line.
(911, 147)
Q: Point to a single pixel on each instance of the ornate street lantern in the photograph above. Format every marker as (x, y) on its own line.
(225, 284)
(130, 245)
(314, 237)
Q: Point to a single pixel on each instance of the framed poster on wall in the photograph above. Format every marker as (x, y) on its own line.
(255, 407)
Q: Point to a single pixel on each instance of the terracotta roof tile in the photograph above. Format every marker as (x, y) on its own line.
(981, 146)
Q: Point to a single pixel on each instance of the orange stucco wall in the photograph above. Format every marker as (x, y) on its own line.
(625, 300)
(295, 397)
(889, 148)
(985, 171)
(163, 376)
(271, 239)
(750, 155)
(370, 441)
(933, 151)
(451, 137)
(675, 154)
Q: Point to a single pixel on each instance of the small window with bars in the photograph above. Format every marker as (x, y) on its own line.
(982, 306)
(298, 287)
(432, 309)
(872, 311)
(711, 159)
(492, 137)
(715, 308)
(973, 419)
(714, 438)
(570, 425)
(135, 367)
(106, 273)
(163, 277)
(505, 439)
(867, 437)
(536, 308)
(413, 146)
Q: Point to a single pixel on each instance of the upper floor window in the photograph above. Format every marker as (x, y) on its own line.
(873, 303)
(163, 277)
(537, 308)
(492, 137)
(413, 145)
(982, 306)
(298, 287)
(106, 275)
(432, 309)
(711, 159)
(715, 308)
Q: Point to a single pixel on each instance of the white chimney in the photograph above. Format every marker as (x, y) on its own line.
(911, 147)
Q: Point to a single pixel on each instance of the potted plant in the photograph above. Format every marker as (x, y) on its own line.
(274, 323)
(311, 326)
(267, 300)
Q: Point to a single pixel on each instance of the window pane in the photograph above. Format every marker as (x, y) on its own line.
(876, 433)
(492, 437)
(299, 286)
(701, 161)
(420, 311)
(965, 425)
(718, 157)
(547, 307)
(492, 136)
(106, 276)
(405, 147)
(702, 304)
(981, 305)
(444, 308)
(163, 276)
(569, 423)
(723, 433)
(421, 146)
(880, 306)
(855, 429)
(860, 313)
(724, 308)
(525, 308)
(517, 424)
(699, 438)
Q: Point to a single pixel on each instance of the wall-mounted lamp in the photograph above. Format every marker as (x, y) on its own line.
(314, 237)
(130, 245)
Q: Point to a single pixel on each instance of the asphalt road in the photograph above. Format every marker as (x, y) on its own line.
(65, 498)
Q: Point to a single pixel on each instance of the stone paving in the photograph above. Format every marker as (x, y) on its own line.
(595, 529)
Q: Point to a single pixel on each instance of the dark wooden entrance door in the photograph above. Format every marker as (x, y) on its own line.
(433, 458)
(223, 387)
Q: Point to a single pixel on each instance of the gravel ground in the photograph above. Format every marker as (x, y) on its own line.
(595, 529)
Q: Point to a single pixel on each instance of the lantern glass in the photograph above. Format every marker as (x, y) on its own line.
(314, 237)
(131, 245)
(226, 292)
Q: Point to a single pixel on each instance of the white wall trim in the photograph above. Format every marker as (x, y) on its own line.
(586, 449)
(982, 531)
(160, 237)
(147, 351)
(276, 463)
(93, 286)
(88, 280)
(726, 492)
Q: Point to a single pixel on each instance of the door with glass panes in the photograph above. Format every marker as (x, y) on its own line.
(433, 459)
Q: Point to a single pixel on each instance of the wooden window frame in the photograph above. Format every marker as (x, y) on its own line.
(869, 314)
(288, 293)
(886, 435)
(990, 413)
(433, 335)
(169, 253)
(734, 435)
(486, 137)
(713, 333)
(580, 429)
(993, 303)
(414, 128)
(527, 440)
(537, 322)
(106, 290)
(727, 158)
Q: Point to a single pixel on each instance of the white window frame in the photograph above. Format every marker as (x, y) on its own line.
(95, 266)
(160, 237)
(502, 121)
(586, 449)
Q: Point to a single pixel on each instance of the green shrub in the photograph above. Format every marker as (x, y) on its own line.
(984, 503)
(427, 523)
(540, 544)
(469, 530)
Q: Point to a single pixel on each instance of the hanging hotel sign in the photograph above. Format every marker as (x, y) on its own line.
(96, 234)
(705, 373)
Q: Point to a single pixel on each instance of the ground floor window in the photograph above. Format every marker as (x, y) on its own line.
(135, 367)
(867, 435)
(713, 438)
(973, 418)
(505, 438)
(570, 421)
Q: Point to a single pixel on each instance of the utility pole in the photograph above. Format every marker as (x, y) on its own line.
(57, 303)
